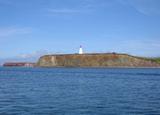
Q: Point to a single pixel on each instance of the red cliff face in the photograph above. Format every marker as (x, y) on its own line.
(18, 64)
(95, 60)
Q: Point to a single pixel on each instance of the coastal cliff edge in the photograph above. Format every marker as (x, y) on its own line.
(95, 60)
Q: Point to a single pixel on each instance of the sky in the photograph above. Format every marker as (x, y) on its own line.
(31, 28)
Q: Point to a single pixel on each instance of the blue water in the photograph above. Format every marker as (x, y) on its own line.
(77, 91)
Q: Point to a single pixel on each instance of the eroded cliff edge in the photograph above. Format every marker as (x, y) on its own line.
(95, 60)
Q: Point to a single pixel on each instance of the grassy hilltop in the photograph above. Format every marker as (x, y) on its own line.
(96, 60)
(157, 60)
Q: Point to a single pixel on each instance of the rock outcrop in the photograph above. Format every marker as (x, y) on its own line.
(95, 60)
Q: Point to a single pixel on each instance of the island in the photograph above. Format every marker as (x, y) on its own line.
(96, 60)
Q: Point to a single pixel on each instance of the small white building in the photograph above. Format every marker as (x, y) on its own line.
(80, 50)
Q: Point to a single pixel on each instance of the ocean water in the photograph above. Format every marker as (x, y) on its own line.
(79, 91)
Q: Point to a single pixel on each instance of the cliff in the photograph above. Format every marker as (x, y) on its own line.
(95, 60)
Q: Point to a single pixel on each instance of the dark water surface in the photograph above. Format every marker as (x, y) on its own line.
(76, 91)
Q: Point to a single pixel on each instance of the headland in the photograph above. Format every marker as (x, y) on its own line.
(96, 60)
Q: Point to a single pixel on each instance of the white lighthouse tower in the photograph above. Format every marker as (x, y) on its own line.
(80, 50)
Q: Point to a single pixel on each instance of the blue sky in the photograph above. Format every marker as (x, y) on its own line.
(32, 27)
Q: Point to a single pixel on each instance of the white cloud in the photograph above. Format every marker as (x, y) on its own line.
(146, 7)
(65, 11)
(142, 47)
(36, 54)
(28, 57)
(10, 31)
(83, 6)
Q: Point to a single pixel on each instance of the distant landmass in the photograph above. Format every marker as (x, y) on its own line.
(18, 64)
(96, 60)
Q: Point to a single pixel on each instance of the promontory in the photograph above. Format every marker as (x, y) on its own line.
(96, 60)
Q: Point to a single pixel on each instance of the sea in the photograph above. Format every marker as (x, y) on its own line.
(79, 91)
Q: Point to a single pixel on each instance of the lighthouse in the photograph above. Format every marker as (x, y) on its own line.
(80, 50)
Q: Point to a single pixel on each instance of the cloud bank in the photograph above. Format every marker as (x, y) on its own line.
(146, 7)
(10, 31)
